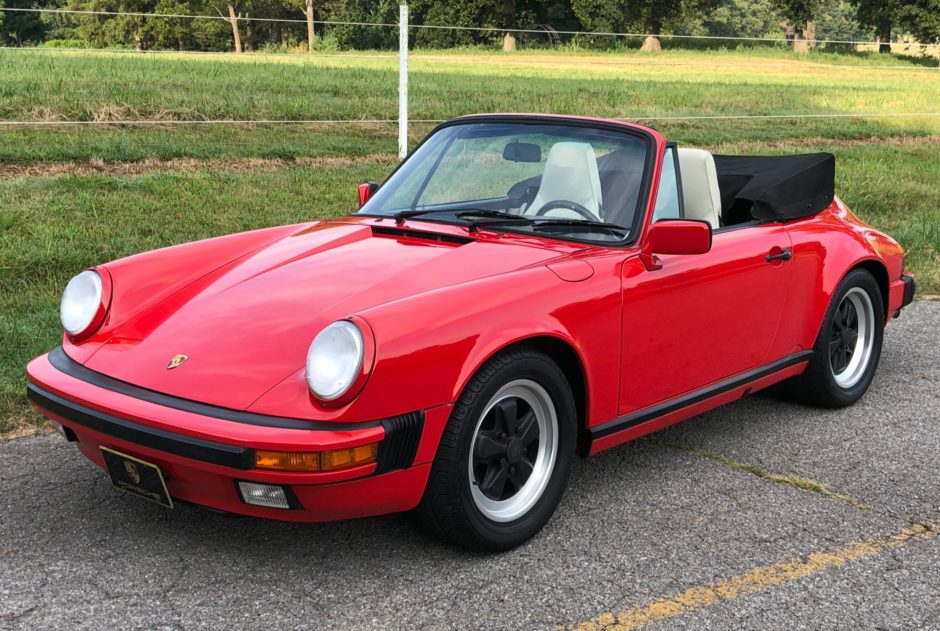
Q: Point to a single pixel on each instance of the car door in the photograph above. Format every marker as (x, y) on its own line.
(700, 319)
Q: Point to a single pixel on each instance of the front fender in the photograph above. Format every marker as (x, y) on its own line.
(428, 346)
(141, 281)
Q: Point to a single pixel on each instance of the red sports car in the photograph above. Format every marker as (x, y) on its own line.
(523, 288)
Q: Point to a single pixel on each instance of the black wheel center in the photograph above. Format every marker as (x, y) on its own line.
(504, 451)
(844, 337)
(514, 450)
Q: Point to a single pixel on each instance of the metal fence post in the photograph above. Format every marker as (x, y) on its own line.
(403, 80)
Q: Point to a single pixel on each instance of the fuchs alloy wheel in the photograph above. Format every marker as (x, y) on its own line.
(848, 347)
(504, 458)
(852, 338)
(513, 451)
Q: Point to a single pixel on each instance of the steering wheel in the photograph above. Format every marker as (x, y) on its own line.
(569, 205)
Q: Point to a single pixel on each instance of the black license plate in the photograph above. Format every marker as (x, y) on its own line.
(137, 477)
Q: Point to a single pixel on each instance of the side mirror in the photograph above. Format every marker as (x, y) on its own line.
(676, 236)
(366, 189)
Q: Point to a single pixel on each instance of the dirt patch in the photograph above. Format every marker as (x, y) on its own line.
(97, 166)
(22, 431)
(128, 169)
(829, 143)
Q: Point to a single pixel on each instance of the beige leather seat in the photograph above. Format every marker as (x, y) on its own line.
(700, 186)
(570, 174)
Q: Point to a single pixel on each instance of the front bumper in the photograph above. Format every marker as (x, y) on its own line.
(910, 288)
(901, 294)
(203, 451)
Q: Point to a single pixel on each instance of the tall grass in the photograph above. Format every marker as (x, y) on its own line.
(62, 217)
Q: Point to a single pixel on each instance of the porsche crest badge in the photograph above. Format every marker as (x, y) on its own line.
(176, 362)
(132, 471)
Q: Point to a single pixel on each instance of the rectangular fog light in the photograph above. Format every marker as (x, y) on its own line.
(268, 495)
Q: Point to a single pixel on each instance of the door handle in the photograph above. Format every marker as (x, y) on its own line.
(783, 255)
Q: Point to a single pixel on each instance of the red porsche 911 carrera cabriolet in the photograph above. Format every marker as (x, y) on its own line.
(522, 289)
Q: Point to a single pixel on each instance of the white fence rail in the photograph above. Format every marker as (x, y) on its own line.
(404, 28)
(447, 27)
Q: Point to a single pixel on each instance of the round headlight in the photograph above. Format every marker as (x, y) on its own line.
(81, 302)
(334, 360)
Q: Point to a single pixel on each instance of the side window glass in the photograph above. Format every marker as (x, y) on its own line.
(667, 198)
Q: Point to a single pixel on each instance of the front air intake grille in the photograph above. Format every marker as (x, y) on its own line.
(402, 435)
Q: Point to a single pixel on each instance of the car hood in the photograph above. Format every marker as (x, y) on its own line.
(248, 325)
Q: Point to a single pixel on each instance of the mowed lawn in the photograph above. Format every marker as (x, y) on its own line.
(71, 197)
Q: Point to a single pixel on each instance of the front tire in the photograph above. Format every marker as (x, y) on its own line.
(504, 459)
(848, 347)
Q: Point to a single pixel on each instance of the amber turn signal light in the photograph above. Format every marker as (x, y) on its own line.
(312, 461)
(345, 458)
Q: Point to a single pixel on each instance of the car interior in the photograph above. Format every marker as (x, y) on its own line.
(606, 186)
(614, 182)
(700, 186)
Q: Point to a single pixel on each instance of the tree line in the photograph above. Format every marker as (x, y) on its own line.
(799, 21)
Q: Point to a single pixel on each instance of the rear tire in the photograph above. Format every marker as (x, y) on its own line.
(504, 459)
(848, 347)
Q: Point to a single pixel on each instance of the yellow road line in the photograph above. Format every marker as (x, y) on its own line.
(756, 580)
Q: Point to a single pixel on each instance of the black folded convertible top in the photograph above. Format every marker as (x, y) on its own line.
(781, 188)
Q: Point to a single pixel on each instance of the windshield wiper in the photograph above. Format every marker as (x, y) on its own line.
(493, 218)
(547, 221)
(401, 215)
(551, 222)
(458, 212)
(499, 217)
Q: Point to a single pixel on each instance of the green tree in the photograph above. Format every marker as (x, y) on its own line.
(743, 18)
(185, 33)
(631, 15)
(922, 19)
(837, 20)
(367, 11)
(20, 28)
(499, 17)
(880, 15)
(801, 15)
(114, 30)
(465, 13)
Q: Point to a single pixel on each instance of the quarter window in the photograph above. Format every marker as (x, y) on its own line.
(668, 200)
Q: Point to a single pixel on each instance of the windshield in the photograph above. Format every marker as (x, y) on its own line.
(551, 179)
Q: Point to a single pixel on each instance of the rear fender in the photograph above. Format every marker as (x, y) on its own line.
(826, 248)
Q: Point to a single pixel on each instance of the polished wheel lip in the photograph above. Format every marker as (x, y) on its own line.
(522, 501)
(852, 338)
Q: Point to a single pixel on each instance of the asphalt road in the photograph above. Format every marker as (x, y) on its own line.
(690, 530)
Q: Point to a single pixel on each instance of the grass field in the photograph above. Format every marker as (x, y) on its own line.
(75, 196)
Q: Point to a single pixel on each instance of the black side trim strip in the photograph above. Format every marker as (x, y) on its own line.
(400, 445)
(69, 366)
(667, 407)
(186, 446)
